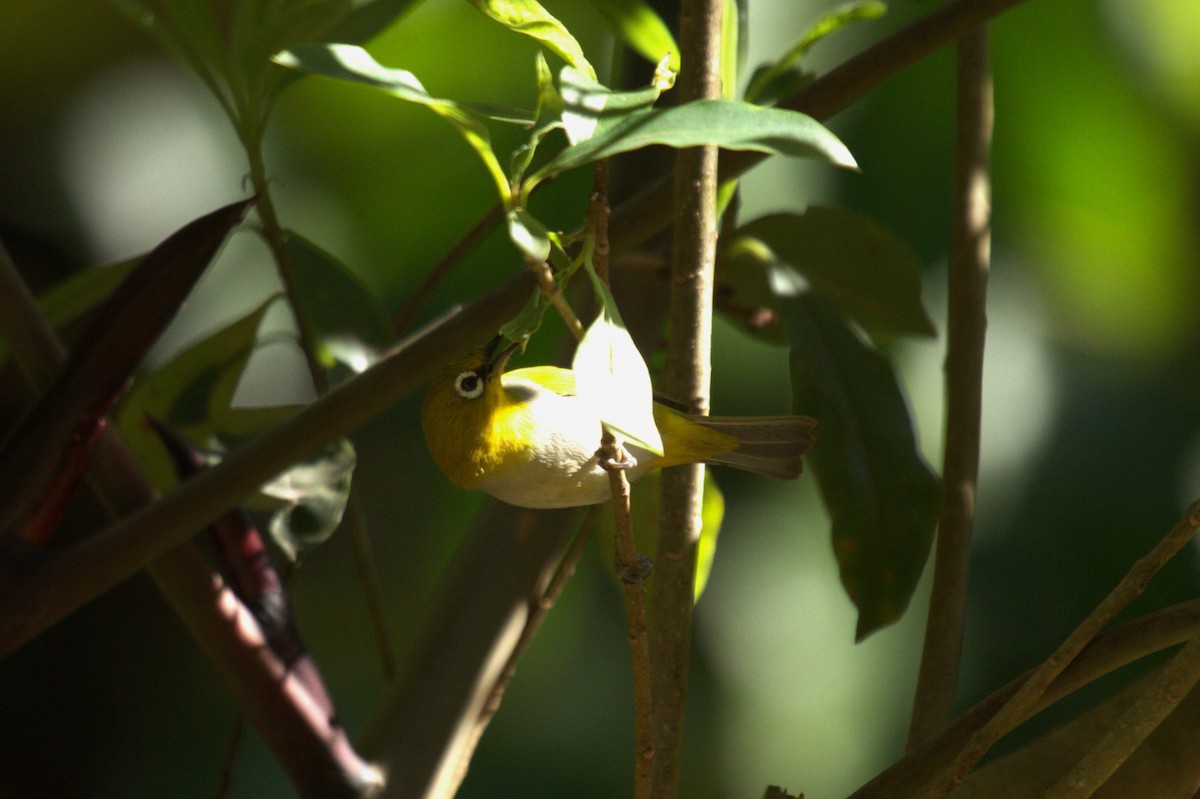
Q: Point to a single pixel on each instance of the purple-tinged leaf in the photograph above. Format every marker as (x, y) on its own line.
(46, 455)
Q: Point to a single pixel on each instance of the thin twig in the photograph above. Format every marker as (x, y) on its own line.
(368, 576)
(633, 571)
(1133, 727)
(1031, 691)
(406, 317)
(553, 292)
(966, 332)
(1108, 652)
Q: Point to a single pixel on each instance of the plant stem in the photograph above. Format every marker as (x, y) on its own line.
(632, 571)
(34, 602)
(408, 315)
(687, 380)
(310, 744)
(1032, 689)
(966, 332)
(1108, 652)
(1134, 726)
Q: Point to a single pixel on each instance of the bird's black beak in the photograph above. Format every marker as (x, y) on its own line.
(497, 353)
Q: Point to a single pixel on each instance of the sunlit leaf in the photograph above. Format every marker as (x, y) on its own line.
(611, 373)
(529, 235)
(860, 267)
(315, 493)
(773, 82)
(731, 125)
(591, 108)
(881, 495)
(352, 63)
(641, 28)
(529, 18)
(547, 118)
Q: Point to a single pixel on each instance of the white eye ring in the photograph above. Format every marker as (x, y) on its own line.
(469, 385)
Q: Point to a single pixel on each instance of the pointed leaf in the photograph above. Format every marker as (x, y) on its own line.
(881, 495)
(78, 295)
(346, 316)
(529, 18)
(352, 63)
(529, 235)
(860, 267)
(188, 393)
(590, 107)
(641, 28)
(728, 124)
(130, 321)
(611, 373)
(369, 18)
(769, 83)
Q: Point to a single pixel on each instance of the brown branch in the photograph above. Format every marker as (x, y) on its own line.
(1114, 649)
(1032, 689)
(966, 332)
(295, 723)
(1133, 727)
(686, 380)
(34, 602)
(633, 572)
(424, 731)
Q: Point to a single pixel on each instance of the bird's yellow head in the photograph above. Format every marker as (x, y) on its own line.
(461, 415)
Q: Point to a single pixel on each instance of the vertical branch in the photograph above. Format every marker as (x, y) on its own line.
(687, 380)
(633, 571)
(966, 331)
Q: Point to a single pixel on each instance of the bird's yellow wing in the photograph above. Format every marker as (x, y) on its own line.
(559, 380)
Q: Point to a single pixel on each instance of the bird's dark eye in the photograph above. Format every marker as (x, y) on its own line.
(468, 385)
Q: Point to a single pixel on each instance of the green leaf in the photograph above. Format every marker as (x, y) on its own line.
(881, 495)
(590, 108)
(529, 235)
(352, 63)
(769, 84)
(182, 393)
(73, 298)
(729, 124)
(346, 316)
(611, 373)
(547, 117)
(369, 18)
(529, 18)
(732, 46)
(315, 493)
(860, 267)
(641, 28)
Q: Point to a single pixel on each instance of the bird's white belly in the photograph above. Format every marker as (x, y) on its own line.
(563, 469)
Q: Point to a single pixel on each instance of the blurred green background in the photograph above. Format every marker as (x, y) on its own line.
(1092, 401)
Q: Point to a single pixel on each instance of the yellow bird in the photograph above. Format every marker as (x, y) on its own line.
(527, 438)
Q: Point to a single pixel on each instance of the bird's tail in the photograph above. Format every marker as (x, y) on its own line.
(767, 445)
